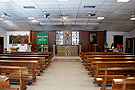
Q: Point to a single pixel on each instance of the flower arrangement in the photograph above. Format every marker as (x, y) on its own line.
(30, 43)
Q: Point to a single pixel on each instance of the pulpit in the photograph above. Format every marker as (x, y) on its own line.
(14, 49)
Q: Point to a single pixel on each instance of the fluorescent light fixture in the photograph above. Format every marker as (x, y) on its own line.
(122, 0)
(100, 17)
(34, 20)
(6, 21)
(43, 23)
(5, 1)
(132, 18)
(30, 17)
(1, 19)
(62, 0)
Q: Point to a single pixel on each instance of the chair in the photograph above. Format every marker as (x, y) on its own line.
(85, 49)
(93, 48)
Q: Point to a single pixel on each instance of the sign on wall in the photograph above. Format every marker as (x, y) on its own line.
(42, 38)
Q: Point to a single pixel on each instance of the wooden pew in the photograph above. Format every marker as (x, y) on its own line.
(18, 71)
(46, 57)
(5, 84)
(89, 60)
(41, 61)
(123, 84)
(114, 73)
(101, 53)
(49, 57)
(29, 64)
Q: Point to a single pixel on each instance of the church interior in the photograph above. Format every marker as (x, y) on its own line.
(67, 44)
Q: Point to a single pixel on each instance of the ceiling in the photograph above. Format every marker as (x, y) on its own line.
(117, 15)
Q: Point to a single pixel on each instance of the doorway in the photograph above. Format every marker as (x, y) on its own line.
(134, 45)
(129, 45)
(118, 39)
(1, 44)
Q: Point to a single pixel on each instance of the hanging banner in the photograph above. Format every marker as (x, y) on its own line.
(42, 38)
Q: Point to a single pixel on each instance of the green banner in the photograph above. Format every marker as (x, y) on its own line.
(42, 38)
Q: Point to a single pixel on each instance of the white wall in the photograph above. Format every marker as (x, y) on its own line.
(3, 33)
(132, 33)
(21, 48)
(110, 38)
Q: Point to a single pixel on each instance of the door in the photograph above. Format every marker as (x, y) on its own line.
(129, 45)
(134, 45)
(1, 44)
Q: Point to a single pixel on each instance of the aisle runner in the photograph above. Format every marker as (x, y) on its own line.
(66, 60)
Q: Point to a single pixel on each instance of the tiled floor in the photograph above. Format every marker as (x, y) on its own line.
(64, 76)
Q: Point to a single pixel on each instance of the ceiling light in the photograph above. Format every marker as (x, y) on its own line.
(62, 0)
(100, 17)
(6, 21)
(1, 19)
(132, 18)
(34, 20)
(5, 1)
(43, 23)
(30, 17)
(122, 0)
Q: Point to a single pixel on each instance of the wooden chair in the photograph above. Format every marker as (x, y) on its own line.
(85, 49)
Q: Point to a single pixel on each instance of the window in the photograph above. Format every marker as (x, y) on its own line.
(59, 38)
(75, 38)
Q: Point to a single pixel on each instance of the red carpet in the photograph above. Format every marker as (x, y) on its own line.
(66, 60)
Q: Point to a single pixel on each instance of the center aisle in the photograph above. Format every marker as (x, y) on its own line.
(64, 76)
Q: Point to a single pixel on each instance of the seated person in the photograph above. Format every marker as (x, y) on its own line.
(118, 47)
(112, 46)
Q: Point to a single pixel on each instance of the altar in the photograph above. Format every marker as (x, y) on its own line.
(67, 50)
(14, 49)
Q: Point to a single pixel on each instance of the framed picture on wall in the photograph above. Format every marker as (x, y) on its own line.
(93, 38)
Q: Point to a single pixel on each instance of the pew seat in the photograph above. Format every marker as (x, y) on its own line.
(18, 74)
(5, 84)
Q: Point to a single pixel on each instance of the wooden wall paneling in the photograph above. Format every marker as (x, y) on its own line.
(101, 38)
(129, 45)
(1, 44)
(51, 39)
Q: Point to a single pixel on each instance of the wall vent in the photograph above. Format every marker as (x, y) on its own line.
(89, 6)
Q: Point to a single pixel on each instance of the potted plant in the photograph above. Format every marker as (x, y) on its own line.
(105, 45)
(30, 43)
(53, 43)
(80, 43)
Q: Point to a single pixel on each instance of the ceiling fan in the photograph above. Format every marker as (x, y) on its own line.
(91, 14)
(5, 14)
(46, 14)
(132, 14)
